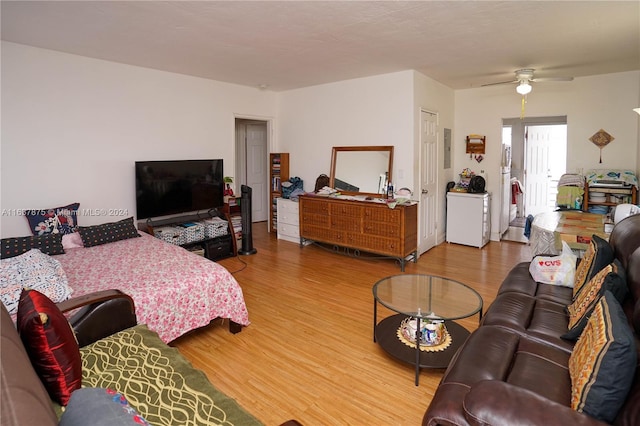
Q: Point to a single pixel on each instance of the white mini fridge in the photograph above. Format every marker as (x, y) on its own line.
(468, 218)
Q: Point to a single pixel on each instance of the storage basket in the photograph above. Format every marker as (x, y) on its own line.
(180, 235)
(215, 227)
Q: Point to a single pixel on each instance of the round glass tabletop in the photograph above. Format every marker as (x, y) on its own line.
(427, 296)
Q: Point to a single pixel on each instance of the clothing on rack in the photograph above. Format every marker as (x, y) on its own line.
(571, 179)
(516, 189)
(570, 191)
(567, 196)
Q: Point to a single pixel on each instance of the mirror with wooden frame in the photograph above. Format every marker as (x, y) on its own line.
(361, 169)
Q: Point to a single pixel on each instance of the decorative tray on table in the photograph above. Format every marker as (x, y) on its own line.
(433, 336)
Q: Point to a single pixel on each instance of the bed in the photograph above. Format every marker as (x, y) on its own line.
(175, 291)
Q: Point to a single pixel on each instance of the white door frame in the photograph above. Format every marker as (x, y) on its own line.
(518, 144)
(239, 153)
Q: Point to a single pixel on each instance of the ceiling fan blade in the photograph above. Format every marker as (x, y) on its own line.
(501, 82)
(538, 80)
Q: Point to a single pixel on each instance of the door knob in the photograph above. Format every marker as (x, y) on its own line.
(425, 191)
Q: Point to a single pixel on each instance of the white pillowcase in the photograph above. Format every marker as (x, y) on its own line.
(34, 270)
(72, 240)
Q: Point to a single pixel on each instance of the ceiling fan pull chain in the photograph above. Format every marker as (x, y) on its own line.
(522, 110)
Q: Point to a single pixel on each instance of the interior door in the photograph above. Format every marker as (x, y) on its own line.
(545, 162)
(428, 180)
(256, 143)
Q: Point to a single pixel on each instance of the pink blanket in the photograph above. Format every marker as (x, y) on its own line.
(174, 291)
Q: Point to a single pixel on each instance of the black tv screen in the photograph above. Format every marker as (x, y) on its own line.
(172, 187)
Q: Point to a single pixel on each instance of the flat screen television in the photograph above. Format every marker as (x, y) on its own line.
(172, 187)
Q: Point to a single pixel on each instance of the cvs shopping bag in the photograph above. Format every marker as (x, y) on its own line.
(558, 270)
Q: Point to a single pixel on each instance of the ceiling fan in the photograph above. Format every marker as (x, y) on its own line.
(524, 78)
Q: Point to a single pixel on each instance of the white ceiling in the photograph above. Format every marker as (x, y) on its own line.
(291, 44)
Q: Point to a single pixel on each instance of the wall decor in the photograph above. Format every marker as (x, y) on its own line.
(475, 144)
(601, 139)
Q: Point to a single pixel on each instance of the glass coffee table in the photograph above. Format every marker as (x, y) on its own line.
(426, 307)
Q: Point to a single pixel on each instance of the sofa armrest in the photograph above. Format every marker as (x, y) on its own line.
(499, 403)
(101, 314)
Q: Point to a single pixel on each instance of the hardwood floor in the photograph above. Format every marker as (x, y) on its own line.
(309, 352)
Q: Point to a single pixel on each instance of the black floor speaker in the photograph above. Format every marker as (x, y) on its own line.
(245, 212)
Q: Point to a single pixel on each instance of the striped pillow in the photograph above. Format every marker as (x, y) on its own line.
(603, 362)
(610, 278)
(598, 255)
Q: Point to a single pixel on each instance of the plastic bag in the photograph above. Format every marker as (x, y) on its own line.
(557, 270)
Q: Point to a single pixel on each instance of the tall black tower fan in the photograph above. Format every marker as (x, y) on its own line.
(245, 212)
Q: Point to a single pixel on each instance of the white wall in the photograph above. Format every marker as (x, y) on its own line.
(366, 111)
(590, 103)
(72, 128)
(379, 110)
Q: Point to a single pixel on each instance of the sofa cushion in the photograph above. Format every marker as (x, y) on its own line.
(34, 270)
(598, 255)
(603, 362)
(100, 407)
(519, 280)
(526, 315)
(610, 278)
(63, 220)
(625, 238)
(108, 232)
(498, 354)
(48, 243)
(51, 345)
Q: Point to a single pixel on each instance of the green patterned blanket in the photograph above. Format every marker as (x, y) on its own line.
(158, 381)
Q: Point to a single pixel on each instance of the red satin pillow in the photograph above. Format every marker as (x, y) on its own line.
(51, 345)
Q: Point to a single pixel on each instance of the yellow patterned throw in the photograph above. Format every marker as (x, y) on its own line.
(158, 381)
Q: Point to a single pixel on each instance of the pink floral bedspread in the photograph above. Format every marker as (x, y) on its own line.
(174, 291)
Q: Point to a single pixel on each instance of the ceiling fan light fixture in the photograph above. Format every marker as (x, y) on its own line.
(637, 110)
(523, 88)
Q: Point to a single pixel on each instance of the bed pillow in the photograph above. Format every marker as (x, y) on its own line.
(51, 344)
(603, 362)
(47, 243)
(108, 232)
(62, 220)
(72, 240)
(611, 278)
(100, 406)
(598, 255)
(34, 270)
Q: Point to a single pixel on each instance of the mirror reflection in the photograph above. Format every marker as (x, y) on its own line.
(361, 169)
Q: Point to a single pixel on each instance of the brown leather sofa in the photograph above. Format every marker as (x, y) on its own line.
(514, 368)
(24, 400)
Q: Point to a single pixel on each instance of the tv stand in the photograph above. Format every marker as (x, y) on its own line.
(215, 248)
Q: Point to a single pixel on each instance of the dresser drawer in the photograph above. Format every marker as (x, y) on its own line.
(285, 205)
(288, 230)
(288, 212)
(288, 218)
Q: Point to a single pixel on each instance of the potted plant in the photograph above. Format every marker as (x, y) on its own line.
(228, 191)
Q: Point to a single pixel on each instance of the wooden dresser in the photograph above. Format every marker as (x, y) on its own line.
(361, 226)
